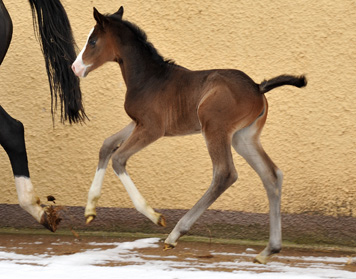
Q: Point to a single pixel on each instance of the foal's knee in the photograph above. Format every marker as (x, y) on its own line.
(106, 149)
(118, 164)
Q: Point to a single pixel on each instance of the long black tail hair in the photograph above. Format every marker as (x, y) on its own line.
(55, 36)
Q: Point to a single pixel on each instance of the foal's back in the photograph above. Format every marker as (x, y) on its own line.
(189, 98)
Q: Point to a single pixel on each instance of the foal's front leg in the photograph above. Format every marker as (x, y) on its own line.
(139, 139)
(106, 151)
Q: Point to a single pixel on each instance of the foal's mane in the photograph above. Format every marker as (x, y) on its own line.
(142, 39)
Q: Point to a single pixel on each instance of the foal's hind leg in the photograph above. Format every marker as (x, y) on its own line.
(246, 142)
(139, 139)
(224, 175)
(106, 151)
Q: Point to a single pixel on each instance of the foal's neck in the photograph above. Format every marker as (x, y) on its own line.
(140, 68)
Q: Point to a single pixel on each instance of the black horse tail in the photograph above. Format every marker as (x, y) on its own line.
(55, 36)
(267, 85)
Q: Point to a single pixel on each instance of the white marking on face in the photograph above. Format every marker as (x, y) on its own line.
(27, 197)
(78, 67)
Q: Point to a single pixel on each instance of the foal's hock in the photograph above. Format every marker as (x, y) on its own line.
(164, 99)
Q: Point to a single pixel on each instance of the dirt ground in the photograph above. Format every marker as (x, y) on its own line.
(203, 255)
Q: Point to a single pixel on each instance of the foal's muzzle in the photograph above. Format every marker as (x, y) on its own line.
(79, 69)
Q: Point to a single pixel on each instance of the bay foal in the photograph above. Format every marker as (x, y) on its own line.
(164, 99)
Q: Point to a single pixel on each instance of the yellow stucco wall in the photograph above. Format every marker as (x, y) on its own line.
(310, 133)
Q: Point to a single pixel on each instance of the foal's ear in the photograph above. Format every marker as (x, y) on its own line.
(120, 12)
(100, 19)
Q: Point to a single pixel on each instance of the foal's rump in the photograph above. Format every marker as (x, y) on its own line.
(241, 81)
(231, 101)
(235, 80)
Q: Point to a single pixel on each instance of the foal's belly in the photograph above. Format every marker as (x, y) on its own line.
(182, 127)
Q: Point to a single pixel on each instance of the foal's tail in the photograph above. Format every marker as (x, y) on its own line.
(267, 85)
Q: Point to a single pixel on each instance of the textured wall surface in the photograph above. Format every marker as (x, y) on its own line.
(310, 133)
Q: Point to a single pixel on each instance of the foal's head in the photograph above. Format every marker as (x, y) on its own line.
(99, 47)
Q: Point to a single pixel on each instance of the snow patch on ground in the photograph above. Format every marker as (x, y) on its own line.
(123, 261)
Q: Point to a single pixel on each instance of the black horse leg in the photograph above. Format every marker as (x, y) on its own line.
(12, 140)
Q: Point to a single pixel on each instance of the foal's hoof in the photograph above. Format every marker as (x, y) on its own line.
(260, 259)
(168, 246)
(351, 261)
(161, 221)
(50, 218)
(89, 219)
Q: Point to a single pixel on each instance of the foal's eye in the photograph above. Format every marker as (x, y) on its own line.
(92, 42)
